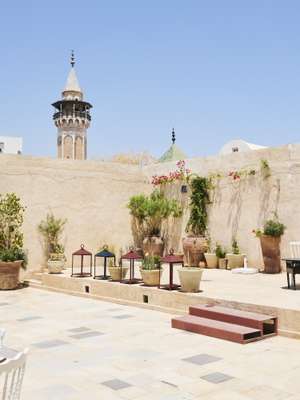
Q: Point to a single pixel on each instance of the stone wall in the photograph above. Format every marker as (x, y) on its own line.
(91, 195)
(240, 206)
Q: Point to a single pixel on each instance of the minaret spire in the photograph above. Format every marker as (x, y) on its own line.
(173, 136)
(72, 60)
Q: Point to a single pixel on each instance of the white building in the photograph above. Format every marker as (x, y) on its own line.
(239, 145)
(11, 145)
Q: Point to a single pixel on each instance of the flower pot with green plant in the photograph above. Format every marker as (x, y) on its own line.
(270, 237)
(151, 270)
(210, 255)
(116, 272)
(148, 215)
(12, 254)
(221, 256)
(235, 258)
(195, 244)
(51, 229)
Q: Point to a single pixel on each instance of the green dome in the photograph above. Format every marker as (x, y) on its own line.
(174, 153)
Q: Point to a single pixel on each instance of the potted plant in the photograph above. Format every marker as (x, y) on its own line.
(151, 270)
(12, 255)
(52, 229)
(149, 213)
(195, 244)
(235, 259)
(116, 272)
(221, 256)
(270, 237)
(210, 256)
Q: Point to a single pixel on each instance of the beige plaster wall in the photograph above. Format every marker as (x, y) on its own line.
(239, 207)
(91, 195)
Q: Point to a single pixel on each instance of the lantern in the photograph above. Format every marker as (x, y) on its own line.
(105, 254)
(132, 256)
(82, 253)
(172, 260)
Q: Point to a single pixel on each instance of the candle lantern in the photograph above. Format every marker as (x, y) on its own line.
(172, 260)
(82, 252)
(131, 256)
(105, 254)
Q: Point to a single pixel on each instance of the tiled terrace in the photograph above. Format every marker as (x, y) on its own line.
(82, 349)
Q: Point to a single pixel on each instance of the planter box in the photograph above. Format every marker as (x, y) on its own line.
(222, 263)
(151, 277)
(194, 248)
(211, 260)
(55, 267)
(190, 279)
(9, 274)
(235, 260)
(270, 247)
(115, 273)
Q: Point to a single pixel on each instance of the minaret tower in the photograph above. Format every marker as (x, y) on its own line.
(72, 119)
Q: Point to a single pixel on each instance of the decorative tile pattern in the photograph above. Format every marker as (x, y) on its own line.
(202, 359)
(216, 377)
(79, 330)
(32, 318)
(49, 343)
(116, 384)
(85, 335)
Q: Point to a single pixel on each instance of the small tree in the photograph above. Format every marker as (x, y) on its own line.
(11, 220)
(51, 229)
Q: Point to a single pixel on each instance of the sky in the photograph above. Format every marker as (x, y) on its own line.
(214, 70)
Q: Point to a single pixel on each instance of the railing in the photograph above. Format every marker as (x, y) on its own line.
(80, 114)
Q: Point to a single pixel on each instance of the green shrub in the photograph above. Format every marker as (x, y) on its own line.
(51, 229)
(11, 220)
(273, 227)
(235, 247)
(220, 251)
(150, 263)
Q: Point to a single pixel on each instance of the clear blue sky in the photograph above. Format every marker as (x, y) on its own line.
(213, 70)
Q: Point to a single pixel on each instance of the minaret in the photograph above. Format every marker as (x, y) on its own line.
(72, 119)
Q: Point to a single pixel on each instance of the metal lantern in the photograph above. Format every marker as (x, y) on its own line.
(171, 259)
(82, 253)
(105, 254)
(132, 256)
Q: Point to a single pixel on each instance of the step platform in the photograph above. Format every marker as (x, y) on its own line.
(227, 323)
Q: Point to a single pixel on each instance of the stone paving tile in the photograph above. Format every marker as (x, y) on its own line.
(79, 330)
(216, 377)
(202, 359)
(266, 392)
(31, 318)
(47, 344)
(124, 316)
(53, 392)
(85, 335)
(116, 384)
(4, 304)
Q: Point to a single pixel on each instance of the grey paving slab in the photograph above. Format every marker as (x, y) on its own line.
(116, 384)
(216, 377)
(85, 335)
(47, 344)
(79, 330)
(124, 316)
(31, 318)
(202, 359)
(4, 304)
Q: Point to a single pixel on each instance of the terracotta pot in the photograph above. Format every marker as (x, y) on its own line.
(190, 278)
(151, 277)
(55, 267)
(235, 260)
(9, 274)
(153, 245)
(115, 273)
(211, 260)
(222, 263)
(270, 247)
(194, 248)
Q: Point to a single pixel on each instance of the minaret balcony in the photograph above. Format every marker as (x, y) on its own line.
(74, 114)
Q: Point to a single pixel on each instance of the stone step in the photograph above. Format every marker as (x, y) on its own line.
(265, 323)
(217, 329)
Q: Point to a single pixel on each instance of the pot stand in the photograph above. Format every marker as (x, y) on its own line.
(104, 276)
(132, 280)
(170, 285)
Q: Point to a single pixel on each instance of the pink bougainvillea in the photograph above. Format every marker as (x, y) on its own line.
(180, 174)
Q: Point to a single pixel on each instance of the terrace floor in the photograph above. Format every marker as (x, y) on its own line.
(81, 348)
